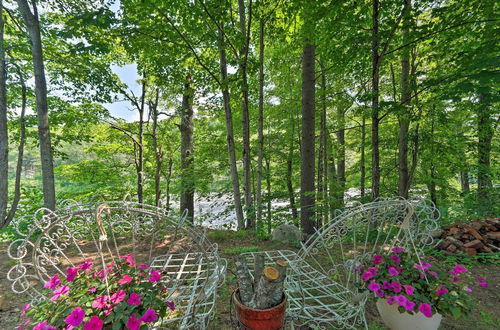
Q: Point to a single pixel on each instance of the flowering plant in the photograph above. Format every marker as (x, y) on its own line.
(119, 296)
(415, 285)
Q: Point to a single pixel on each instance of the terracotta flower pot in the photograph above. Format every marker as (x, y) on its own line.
(405, 321)
(260, 319)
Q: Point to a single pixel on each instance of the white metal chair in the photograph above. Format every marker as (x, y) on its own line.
(322, 282)
(53, 241)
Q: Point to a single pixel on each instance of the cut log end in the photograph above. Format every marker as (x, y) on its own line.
(271, 273)
(281, 263)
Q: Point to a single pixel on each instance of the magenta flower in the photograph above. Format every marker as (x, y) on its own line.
(482, 282)
(380, 293)
(60, 291)
(373, 286)
(396, 287)
(459, 269)
(40, 326)
(100, 302)
(373, 270)
(25, 323)
(133, 322)
(155, 276)
(86, 264)
(53, 282)
(468, 289)
(386, 285)
(125, 279)
(409, 306)
(409, 289)
(149, 316)
(75, 317)
(143, 266)
(118, 296)
(441, 290)
(397, 250)
(170, 305)
(72, 272)
(455, 279)
(95, 323)
(434, 274)
(25, 309)
(129, 258)
(377, 259)
(92, 290)
(391, 300)
(396, 259)
(402, 300)
(423, 266)
(425, 309)
(134, 299)
(367, 276)
(393, 271)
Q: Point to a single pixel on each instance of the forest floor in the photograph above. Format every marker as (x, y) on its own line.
(486, 314)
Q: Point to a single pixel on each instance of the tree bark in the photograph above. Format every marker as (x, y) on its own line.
(140, 145)
(485, 135)
(307, 163)
(332, 180)
(4, 134)
(33, 27)
(158, 154)
(322, 164)
(268, 188)
(261, 123)
(187, 129)
(229, 128)
(464, 181)
(362, 160)
(289, 174)
(341, 157)
(404, 117)
(245, 118)
(375, 102)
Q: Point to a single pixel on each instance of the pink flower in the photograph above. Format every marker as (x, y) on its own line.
(49, 327)
(393, 271)
(60, 291)
(129, 258)
(455, 279)
(92, 290)
(25, 309)
(459, 269)
(53, 282)
(125, 279)
(434, 274)
(40, 326)
(373, 270)
(86, 264)
(391, 300)
(396, 287)
(377, 259)
(441, 290)
(468, 289)
(425, 309)
(133, 323)
(402, 300)
(373, 286)
(380, 293)
(397, 250)
(95, 323)
(423, 266)
(170, 305)
(75, 317)
(118, 296)
(100, 302)
(409, 306)
(134, 299)
(72, 272)
(396, 259)
(367, 276)
(386, 285)
(482, 282)
(409, 289)
(143, 266)
(155, 276)
(25, 323)
(149, 316)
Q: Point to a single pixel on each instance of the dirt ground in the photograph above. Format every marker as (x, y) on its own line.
(486, 313)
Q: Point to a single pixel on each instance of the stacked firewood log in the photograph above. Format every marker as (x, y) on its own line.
(472, 238)
(265, 290)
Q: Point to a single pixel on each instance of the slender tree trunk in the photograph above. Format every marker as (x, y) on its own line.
(229, 129)
(464, 181)
(375, 102)
(268, 186)
(187, 129)
(158, 154)
(140, 145)
(332, 180)
(33, 26)
(4, 134)
(322, 151)
(261, 122)
(341, 157)
(289, 174)
(169, 180)
(307, 164)
(247, 187)
(362, 160)
(404, 118)
(485, 135)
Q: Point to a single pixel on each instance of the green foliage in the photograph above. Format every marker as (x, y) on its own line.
(240, 250)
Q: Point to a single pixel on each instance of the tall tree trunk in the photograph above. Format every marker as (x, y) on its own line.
(140, 145)
(289, 173)
(307, 162)
(464, 181)
(362, 160)
(33, 26)
(229, 128)
(341, 156)
(153, 108)
(261, 122)
(187, 129)
(404, 117)
(322, 164)
(4, 134)
(332, 179)
(169, 180)
(268, 186)
(485, 135)
(245, 118)
(375, 102)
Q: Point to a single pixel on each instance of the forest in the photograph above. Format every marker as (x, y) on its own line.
(267, 111)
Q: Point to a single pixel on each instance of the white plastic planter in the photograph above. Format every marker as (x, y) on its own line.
(404, 321)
